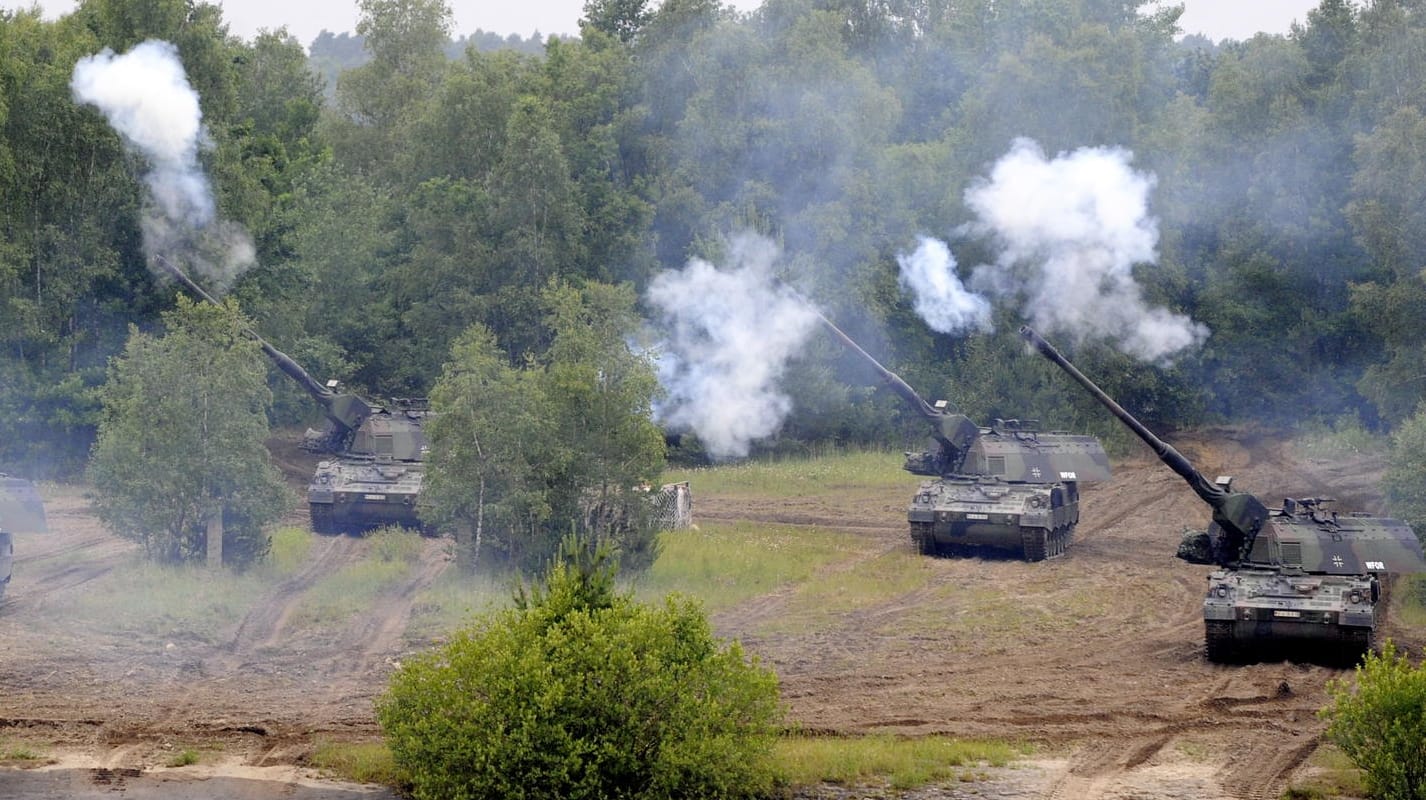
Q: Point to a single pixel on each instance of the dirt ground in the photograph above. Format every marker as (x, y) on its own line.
(1099, 663)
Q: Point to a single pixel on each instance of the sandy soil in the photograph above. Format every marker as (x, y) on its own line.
(1097, 657)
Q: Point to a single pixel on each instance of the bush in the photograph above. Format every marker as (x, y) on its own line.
(1381, 725)
(1405, 479)
(580, 692)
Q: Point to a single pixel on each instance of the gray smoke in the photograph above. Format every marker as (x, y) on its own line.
(730, 333)
(146, 97)
(940, 298)
(1069, 231)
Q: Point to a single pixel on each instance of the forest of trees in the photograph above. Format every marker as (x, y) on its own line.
(425, 194)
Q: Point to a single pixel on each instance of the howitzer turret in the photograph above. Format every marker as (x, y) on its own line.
(1008, 487)
(1295, 579)
(376, 472)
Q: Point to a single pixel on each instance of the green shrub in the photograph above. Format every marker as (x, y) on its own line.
(1405, 479)
(1381, 724)
(581, 692)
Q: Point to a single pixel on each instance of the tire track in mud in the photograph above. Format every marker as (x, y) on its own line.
(262, 627)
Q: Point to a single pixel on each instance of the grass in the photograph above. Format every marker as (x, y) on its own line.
(362, 762)
(354, 588)
(290, 548)
(903, 763)
(19, 752)
(453, 601)
(184, 758)
(723, 564)
(868, 471)
(143, 598)
(827, 595)
(1408, 600)
(1327, 774)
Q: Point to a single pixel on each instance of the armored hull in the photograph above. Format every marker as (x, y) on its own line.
(1031, 521)
(1271, 612)
(351, 495)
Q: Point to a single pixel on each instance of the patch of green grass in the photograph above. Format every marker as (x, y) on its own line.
(1327, 774)
(453, 601)
(903, 763)
(184, 758)
(832, 593)
(868, 471)
(138, 597)
(19, 752)
(722, 564)
(290, 548)
(361, 762)
(354, 588)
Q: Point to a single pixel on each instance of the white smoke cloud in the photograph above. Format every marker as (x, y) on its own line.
(1070, 230)
(940, 298)
(146, 97)
(730, 334)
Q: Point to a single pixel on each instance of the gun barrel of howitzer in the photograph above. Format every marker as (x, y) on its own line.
(1210, 493)
(900, 386)
(284, 362)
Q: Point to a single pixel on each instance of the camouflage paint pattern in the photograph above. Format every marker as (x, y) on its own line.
(1009, 487)
(377, 469)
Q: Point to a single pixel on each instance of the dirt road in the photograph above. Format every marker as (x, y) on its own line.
(1097, 657)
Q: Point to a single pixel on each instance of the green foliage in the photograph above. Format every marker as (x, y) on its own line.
(182, 439)
(1405, 479)
(1380, 723)
(521, 458)
(579, 691)
(360, 762)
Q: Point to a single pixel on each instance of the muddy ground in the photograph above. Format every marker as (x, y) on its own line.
(1098, 660)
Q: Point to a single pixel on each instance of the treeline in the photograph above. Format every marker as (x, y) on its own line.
(427, 194)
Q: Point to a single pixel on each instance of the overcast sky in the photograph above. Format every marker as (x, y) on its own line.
(1216, 19)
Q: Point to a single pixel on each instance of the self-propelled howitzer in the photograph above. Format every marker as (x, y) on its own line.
(376, 469)
(1009, 487)
(1295, 578)
(20, 512)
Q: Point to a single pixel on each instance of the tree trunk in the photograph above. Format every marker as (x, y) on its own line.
(215, 539)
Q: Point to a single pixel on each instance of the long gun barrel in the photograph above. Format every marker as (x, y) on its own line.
(344, 411)
(955, 433)
(1239, 514)
(893, 380)
(284, 362)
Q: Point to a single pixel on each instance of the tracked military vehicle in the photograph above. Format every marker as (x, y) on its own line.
(1009, 487)
(20, 512)
(377, 451)
(1295, 580)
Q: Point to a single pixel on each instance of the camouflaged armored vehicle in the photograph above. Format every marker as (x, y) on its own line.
(20, 512)
(1010, 487)
(1299, 580)
(378, 452)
